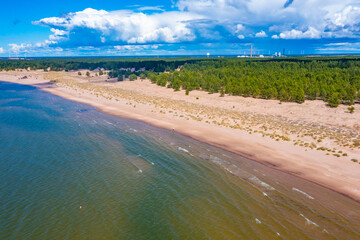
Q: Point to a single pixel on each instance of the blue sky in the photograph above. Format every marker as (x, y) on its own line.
(178, 27)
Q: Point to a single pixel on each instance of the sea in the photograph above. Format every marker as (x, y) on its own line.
(69, 171)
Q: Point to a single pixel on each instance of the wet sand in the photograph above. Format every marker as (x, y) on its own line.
(310, 141)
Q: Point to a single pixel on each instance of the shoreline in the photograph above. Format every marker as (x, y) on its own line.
(329, 172)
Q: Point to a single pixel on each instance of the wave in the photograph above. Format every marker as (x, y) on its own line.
(183, 149)
(256, 180)
(298, 190)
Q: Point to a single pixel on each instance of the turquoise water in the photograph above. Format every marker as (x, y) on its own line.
(68, 171)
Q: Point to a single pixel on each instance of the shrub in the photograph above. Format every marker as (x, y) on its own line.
(142, 76)
(334, 100)
(351, 109)
(222, 92)
(132, 77)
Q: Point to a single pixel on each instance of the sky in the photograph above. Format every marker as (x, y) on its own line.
(178, 27)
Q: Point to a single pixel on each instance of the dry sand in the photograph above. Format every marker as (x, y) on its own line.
(309, 140)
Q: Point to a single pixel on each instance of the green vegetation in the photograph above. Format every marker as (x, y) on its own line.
(334, 100)
(295, 79)
(60, 64)
(142, 76)
(351, 109)
(132, 77)
(335, 80)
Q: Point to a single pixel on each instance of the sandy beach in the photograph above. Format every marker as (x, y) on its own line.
(310, 140)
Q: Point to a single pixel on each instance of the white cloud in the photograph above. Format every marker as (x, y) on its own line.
(43, 44)
(242, 11)
(338, 44)
(324, 15)
(136, 47)
(19, 48)
(125, 26)
(349, 16)
(340, 47)
(252, 12)
(311, 33)
(150, 8)
(204, 21)
(1, 50)
(261, 34)
(239, 28)
(58, 34)
(345, 23)
(28, 48)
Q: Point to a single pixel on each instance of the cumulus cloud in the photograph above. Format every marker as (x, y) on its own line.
(203, 21)
(345, 22)
(2, 50)
(58, 34)
(311, 33)
(239, 28)
(123, 26)
(325, 16)
(261, 34)
(243, 11)
(349, 16)
(36, 47)
(43, 44)
(19, 48)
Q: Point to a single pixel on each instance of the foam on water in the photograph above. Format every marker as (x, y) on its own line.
(107, 122)
(308, 221)
(304, 193)
(183, 149)
(258, 182)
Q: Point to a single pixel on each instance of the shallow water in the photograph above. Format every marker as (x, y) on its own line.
(68, 171)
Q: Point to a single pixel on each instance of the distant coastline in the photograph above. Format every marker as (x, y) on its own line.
(177, 56)
(203, 117)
